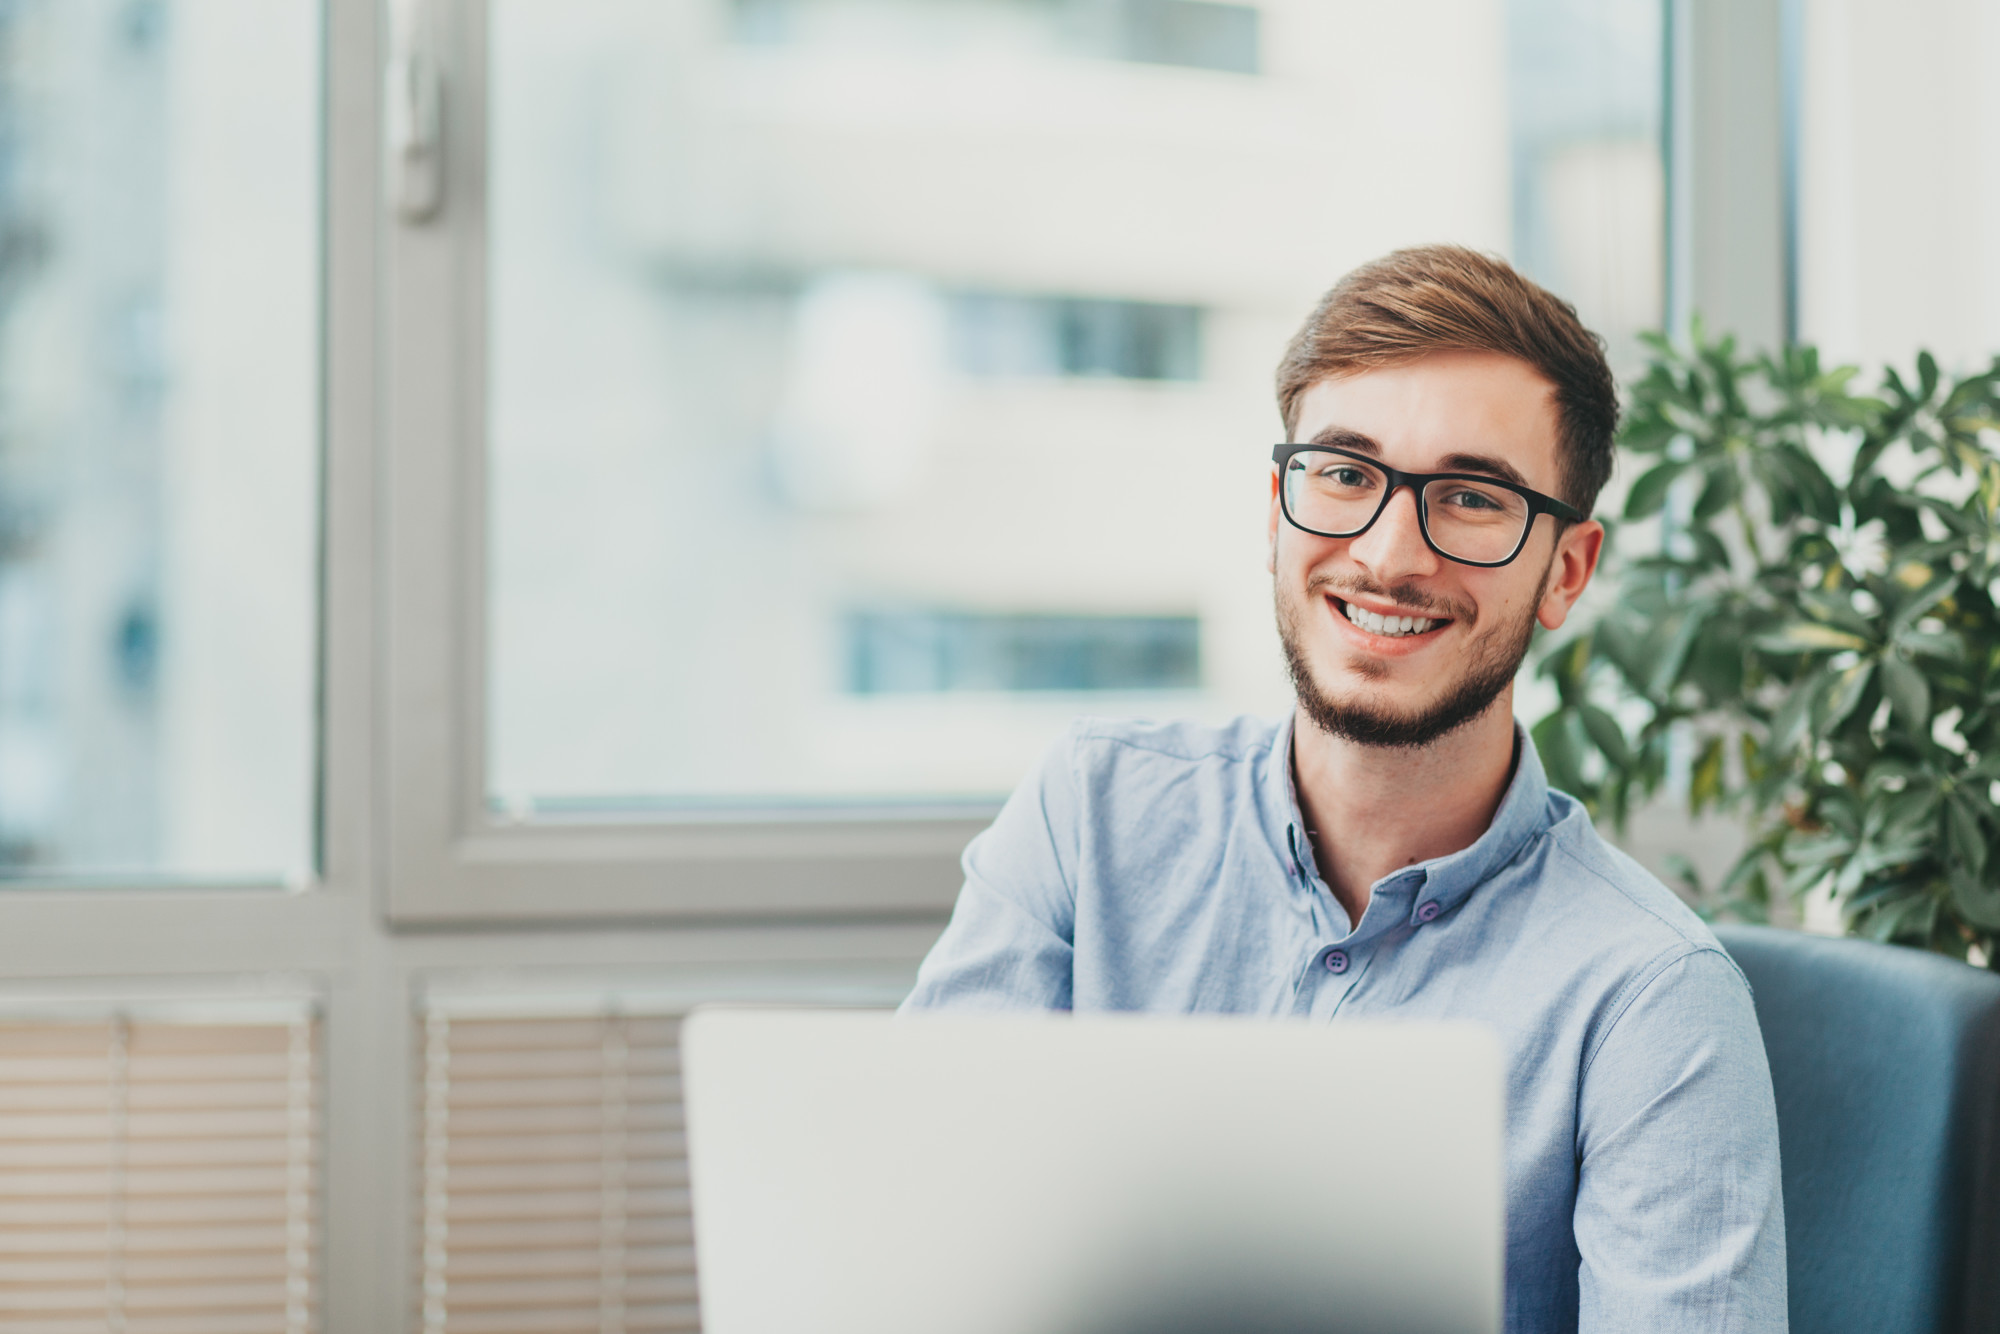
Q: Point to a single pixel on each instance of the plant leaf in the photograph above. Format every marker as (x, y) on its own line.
(1719, 492)
(1557, 746)
(1808, 637)
(1649, 493)
(1977, 902)
(1922, 601)
(1967, 839)
(1816, 849)
(1790, 718)
(1946, 645)
(1909, 694)
(1837, 608)
(1604, 731)
(1705, 780)
(1846, 693)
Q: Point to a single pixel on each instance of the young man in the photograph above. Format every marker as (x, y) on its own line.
(1392, 849)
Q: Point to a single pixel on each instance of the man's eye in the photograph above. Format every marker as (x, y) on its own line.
(1346, 476)
(1472, 500)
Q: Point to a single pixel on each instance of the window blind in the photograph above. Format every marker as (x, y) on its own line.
(157, 1172)
(553, 1175)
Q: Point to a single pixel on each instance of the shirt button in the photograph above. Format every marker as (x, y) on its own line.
(1429, 912)
(1336, 962)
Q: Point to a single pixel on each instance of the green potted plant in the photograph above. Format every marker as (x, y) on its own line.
(1812, 640)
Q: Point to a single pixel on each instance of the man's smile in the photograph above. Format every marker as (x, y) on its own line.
(1400, 625)
(1385, 625)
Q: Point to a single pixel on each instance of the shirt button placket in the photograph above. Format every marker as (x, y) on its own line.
(1336, 962)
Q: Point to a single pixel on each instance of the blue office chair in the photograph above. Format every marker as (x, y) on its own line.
(1886, 1063)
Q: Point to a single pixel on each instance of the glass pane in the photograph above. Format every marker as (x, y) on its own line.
(159, 349)
(876, 385)
(1589, 185)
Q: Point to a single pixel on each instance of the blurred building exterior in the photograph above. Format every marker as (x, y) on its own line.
(837, 345)
(159, 436)
(873, 385)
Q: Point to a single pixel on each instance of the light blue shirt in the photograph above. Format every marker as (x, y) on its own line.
(1166, 868)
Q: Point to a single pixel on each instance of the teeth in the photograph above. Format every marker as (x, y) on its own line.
(1386, 625)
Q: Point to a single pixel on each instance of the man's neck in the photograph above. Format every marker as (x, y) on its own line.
(1371, 810)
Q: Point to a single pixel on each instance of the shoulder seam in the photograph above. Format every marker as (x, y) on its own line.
(1684, 948)
(1629, 994)
(1694, 944)
(1560, 846)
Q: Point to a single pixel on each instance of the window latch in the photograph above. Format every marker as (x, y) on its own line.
(413, 123)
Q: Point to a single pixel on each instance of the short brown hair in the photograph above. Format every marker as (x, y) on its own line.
(1446, 298)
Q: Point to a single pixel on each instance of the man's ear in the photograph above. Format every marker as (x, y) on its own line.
(1575, 561)
(1271, 530)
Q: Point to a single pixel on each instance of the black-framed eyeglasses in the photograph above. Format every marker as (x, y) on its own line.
(1466, 517)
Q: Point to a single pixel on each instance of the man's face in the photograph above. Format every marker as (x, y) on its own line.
(1477, 412)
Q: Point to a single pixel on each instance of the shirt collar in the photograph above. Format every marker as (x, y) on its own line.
(1523, 813)
(1444, 881)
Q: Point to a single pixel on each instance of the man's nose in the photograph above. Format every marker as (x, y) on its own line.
(1393, 548)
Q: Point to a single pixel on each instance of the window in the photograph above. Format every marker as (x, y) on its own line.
(843, 395)
(967, 308)
(159, 405)
(1585, 97)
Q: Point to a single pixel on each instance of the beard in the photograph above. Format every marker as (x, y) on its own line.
(1497, 656)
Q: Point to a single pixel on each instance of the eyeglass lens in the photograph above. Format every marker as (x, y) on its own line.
(1338, 495)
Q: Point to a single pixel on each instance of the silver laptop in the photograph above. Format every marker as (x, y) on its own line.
(864, 1173)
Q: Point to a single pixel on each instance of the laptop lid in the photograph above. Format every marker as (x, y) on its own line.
(1049, 1174)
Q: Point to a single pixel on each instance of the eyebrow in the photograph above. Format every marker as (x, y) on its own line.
(1485, 463)
(1341, 437)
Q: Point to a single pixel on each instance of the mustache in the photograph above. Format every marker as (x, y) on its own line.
(1403, 595)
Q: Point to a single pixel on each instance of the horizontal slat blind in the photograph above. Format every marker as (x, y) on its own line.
(157, 1175)
(554, 1176)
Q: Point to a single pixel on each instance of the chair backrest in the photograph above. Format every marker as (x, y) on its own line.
(1886, 1063)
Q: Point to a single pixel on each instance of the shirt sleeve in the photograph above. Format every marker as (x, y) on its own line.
(1679, 1209)
(1010, 942)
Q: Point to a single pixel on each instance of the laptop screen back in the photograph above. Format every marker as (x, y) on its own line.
(1048, 1174)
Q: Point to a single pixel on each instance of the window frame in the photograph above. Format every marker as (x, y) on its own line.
(449, 858)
